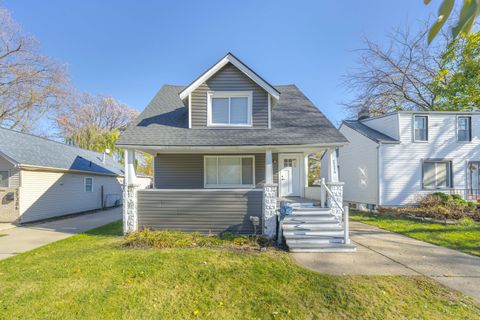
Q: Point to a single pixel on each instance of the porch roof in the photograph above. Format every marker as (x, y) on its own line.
(295, 121)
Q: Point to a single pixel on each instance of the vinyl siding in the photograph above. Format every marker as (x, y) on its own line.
(402, 164)
(185, 171)
(50, 194)
(14, 173)
(205, 211)
(229, 78)
(387, 125)
(358, 168)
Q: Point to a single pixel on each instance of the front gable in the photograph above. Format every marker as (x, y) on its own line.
(228, 79)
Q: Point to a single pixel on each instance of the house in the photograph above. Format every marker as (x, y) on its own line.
(41, 179)
(397, 158)
(227, 149)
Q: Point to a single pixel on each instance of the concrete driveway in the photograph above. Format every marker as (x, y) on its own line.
(25, 238)
(381, 252)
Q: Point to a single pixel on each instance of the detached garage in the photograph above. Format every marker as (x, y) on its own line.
(41, 179)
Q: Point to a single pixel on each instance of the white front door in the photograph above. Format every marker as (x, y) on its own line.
(289, 169)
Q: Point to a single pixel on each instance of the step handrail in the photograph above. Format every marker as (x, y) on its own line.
(324, 185)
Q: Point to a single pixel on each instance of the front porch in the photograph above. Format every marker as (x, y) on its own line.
(213, 190)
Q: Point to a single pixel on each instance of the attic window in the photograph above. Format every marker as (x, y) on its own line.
(230, 108)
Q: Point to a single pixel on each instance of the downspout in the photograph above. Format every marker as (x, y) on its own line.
(379, 171)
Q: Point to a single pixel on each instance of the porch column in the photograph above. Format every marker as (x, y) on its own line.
(332, 166)
(305, 169)
(268, 167)
(269, 198)
(130, 218)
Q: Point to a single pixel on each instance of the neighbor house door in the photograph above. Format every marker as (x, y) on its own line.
(290, 175)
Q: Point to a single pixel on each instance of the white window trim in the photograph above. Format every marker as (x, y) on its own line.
(227, 186)
(470, 128)
(229, 94)
(269, 111)
(190, 111)
(450, 174)
(413, 127)
(85, 184)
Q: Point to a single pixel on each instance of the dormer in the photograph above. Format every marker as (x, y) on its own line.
(229, 95)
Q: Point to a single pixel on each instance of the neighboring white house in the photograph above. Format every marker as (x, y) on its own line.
(41, 179)
(397, 158)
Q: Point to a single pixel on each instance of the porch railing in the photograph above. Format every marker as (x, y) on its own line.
(335, 199)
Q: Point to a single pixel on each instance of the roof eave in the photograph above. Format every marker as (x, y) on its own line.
(229, 58)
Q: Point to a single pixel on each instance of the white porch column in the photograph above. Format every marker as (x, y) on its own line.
(332, 166)
(305, 170)
(269, 198)
(130, 219)
(268, 167)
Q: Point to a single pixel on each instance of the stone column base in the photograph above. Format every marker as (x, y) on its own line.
(269, 210)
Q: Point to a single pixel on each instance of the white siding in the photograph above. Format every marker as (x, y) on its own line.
(50, 194)
(387, 124)
(14, 173)
(402, 164)
(358, 167)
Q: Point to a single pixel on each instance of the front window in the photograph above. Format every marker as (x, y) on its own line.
(437, 174)
(229, 108)
(4, 179)
(464, 131)
(229, 171)
(421, 128)
(88, 184)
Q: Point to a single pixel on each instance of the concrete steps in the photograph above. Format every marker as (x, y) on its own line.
(313, 229)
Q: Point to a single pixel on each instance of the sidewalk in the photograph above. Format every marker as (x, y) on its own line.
(25, 238)
(381, 252)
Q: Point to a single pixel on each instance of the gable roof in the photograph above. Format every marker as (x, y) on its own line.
(368, 132)
(229, 58)
(295, 121)
(28, 150)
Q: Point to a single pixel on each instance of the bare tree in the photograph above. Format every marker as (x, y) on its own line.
(395, 77)
(31, 85)
(94, 121)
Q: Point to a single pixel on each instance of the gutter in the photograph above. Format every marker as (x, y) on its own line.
(240, 147)
(52, 169)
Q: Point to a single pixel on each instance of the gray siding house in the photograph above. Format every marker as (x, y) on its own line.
(228, 149)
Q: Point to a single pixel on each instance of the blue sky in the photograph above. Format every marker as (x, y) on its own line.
(129, 49)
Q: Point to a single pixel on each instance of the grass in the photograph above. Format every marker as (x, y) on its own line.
(94, 276)
(463, 236)
(174, 239)
(2, 235)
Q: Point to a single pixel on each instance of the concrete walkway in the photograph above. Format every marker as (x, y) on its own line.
(381, 252)
(25, 238)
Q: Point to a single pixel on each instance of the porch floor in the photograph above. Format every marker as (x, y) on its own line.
(299, 200)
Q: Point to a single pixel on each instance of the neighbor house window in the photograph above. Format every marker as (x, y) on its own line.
(88, 184)
(3, 179)
(420, 128)
(437, 174)
(464, 128)
(230, 108)
(229, 171)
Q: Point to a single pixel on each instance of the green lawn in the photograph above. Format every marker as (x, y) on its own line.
(463, 237)
(94, 276)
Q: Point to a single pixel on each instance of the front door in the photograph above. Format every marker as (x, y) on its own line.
(290, 175)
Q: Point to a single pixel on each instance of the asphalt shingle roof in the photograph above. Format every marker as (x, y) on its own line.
(295, 120)
(30, 150)
(370, 133)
